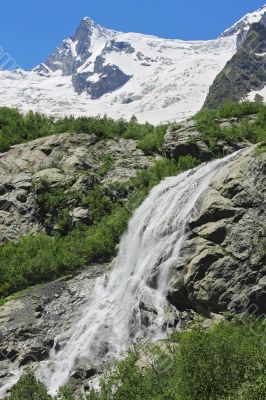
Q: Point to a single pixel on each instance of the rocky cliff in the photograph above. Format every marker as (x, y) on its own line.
(244, 73)
(221, 265)
(75, 163)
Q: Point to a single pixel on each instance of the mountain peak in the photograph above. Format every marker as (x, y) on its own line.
(241, 27)
(87, 21)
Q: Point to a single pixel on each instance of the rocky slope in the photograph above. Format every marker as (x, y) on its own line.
(221, 265)
(244, 74)
(31, 323)
(186, 139)
(73, 162)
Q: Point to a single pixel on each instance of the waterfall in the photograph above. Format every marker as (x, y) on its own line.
(112, 319)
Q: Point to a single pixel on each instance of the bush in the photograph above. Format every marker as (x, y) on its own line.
(17, 128)
(41, 258)
(152, 142)
(55, 204)
(226, 362)
(28, 388)
(207, 122)
(229, 354)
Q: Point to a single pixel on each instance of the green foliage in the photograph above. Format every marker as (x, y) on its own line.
(41, 258)
(225, 362)
(255, 131)
(99, 202)
(152, 141)
(234, 109)
(28, 388)
(66, 394)
(55, 204)
(16, 128)
(106, 166)
(228, 354)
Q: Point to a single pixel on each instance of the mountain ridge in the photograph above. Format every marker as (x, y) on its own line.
(102, 71)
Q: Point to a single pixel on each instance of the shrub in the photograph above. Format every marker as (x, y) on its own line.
(17, 128)
(254, 130)
(226, 362)
(152, 142)
(28, 388)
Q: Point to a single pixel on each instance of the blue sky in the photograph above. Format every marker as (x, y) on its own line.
(31, 29)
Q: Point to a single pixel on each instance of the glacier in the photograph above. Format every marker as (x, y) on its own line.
(101, 71)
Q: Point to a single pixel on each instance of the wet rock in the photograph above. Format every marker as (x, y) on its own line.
(36, 354)
(222, 262)
(84, 373)
(26, 339)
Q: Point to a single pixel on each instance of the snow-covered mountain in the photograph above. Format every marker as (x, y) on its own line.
(101, 71)
(241, 27)
(244, 75)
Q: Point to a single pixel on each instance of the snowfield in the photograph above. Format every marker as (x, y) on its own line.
(171, 86)
(168, 79)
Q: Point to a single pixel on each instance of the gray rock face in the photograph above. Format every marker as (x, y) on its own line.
(31, 323)
(244, 72)
(112, 78)
(222, 263)
(75, 55)
(61, 160)
(184, 140)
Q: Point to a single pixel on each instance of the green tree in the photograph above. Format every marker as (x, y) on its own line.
(28, 388)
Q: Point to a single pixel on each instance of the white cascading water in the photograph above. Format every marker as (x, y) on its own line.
(147, 257)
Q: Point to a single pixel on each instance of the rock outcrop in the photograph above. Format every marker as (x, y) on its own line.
(222, 262)
(71, 160)
(185, 139)
(244, 73)
(31, 322)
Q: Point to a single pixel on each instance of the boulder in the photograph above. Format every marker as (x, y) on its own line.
(80, 214)
(185, 140)
(53, 176)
